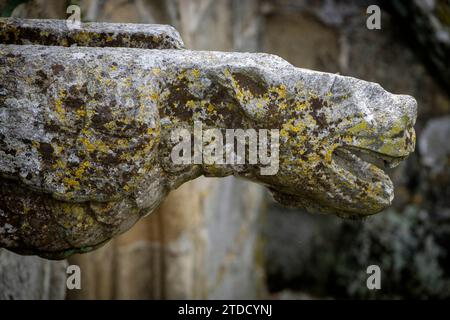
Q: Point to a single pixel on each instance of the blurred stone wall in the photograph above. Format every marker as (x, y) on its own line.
(31, 277)
(201, 243)
(328, 257)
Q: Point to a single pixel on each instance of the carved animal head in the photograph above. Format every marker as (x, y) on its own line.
(337, 136)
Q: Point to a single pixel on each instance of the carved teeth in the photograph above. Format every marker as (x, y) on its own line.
(366, 165)
(382, 161)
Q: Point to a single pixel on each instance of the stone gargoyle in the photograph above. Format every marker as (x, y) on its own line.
(86, 117)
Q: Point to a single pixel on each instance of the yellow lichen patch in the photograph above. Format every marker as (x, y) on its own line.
(91, 144)
(85, 37)
(393, 147)
(26, 208)
(58, 105)
(396, 128)
(127, 82)
(259, 104)
(181, 75)
(141, 115)
(283, 106)
(281, 91)
(156, 71)
(57, 149)
(210, 108)
(362, 126)
(195, 73)
(190, 104)
(81, 169)
(71, 182)
(313, 158)
(76, 216)
(284, 133)
(347, 139)
(150, 131)
(126, 156)
(64, 42)
(81, 112)
(301, 105)
(110, 125)
(59, 164)
(154, 96)
(240, 95)
(329, 152)
(122, 143)
(87, 144)
(295, 126)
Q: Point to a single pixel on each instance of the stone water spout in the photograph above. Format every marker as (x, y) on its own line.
(87, 116)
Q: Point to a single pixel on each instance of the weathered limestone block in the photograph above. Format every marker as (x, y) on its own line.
(85, 136)
(94, 34)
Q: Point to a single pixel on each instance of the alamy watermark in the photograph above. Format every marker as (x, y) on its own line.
(374, 280)
(74, 20)
(73, 280)
(211, 147)
(374, 20)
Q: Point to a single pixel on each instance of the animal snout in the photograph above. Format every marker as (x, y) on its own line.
(408, 109)
(400, 138)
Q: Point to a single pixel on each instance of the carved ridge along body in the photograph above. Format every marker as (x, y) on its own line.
(85, 136)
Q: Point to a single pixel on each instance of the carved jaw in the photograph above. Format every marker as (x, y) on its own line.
(364, 171)
(359, 179)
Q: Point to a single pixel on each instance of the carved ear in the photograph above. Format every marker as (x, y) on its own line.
(249, 79)
(250, 88)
